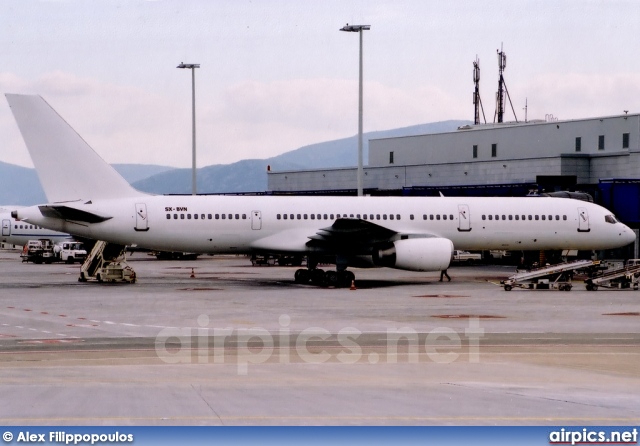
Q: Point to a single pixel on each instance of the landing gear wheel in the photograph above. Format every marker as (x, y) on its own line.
(332, 278)
(302, 276)
(507, 287)
(567, 287)
(318, 277)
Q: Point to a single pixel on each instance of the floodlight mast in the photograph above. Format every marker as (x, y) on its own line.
(192, 67)
(359, 29)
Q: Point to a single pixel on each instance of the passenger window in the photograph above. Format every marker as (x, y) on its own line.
(325, 216)
(557, 217)
(168, 216)
(377, 216)
(175, 216)
(181, 216)
(217, 216)
(237, 216)
(411, 217)
(530, 217)
(484, 217)
(391, 217)
(444, 217)
(358, 216)
(284, 216)
(350, 215)
(536, 217)
(244, 216)
(195, 216)
(437, 216)
(299, 217)
(331, 216)
(370, 216)
(384, 216)
(450, 216)
(510, 217)
(188, 216)
(497, 217)
(430, 216)
(364, 216)
(564, 217)
(504, 217)
(209, 216)
(517, 217)
(291, 216)
(278, 216)
(224, 216)
(305, 216)
(313, 216)
(424, 216)
(544, 217)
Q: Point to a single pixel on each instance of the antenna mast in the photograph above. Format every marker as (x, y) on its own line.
(477, 102)
(502, 88)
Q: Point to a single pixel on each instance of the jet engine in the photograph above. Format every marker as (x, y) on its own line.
(415, 254)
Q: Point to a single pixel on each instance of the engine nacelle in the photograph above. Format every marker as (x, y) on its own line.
(416, 254)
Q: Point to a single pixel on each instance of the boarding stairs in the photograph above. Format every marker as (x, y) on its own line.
(107, 263)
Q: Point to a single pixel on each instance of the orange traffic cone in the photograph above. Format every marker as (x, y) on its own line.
(193, 275)
(353, 285)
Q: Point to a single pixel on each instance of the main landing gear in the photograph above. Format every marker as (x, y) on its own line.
(321, 277)
(316, 276)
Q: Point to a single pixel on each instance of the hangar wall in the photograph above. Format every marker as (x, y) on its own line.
(508, 153)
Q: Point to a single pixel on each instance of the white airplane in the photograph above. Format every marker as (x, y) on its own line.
(410, 233)
(15, 232)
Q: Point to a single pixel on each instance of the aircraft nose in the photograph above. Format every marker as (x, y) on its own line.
(628, 235)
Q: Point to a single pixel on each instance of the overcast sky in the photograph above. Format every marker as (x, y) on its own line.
(277, 74)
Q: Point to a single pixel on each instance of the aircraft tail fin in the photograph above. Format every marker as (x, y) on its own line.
(68, 168)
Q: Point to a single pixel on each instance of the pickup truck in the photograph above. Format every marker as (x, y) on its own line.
(466, 257)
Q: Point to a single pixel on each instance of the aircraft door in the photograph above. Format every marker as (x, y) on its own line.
(583, 220)
(256, 220)
(6, 227)
(142, 222)
(464, 218)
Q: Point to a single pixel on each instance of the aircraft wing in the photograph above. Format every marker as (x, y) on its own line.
(350, 235)
(345, 235)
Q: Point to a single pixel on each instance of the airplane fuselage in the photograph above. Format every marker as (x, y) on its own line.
(245, 224)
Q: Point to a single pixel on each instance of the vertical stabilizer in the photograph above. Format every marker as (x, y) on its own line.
(67, 166)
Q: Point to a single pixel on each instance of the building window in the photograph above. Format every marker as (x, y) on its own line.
(475, 151)
(390, 157)
(494, 150)
(625, 140)
(578, 144)
(601, 142)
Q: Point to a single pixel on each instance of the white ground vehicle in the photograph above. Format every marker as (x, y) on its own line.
(69, 252)
(466, 257)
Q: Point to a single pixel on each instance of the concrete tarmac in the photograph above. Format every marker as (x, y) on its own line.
(243, 345)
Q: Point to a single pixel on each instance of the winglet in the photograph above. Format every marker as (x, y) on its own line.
(67, 166)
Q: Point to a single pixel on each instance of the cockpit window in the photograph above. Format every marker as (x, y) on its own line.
(610, 219)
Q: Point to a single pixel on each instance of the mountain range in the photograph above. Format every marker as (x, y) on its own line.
(20, 185)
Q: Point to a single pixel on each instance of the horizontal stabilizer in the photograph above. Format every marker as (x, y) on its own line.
(69, 213)
(67, 166)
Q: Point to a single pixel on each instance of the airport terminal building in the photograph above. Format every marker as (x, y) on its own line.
(600, 156)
